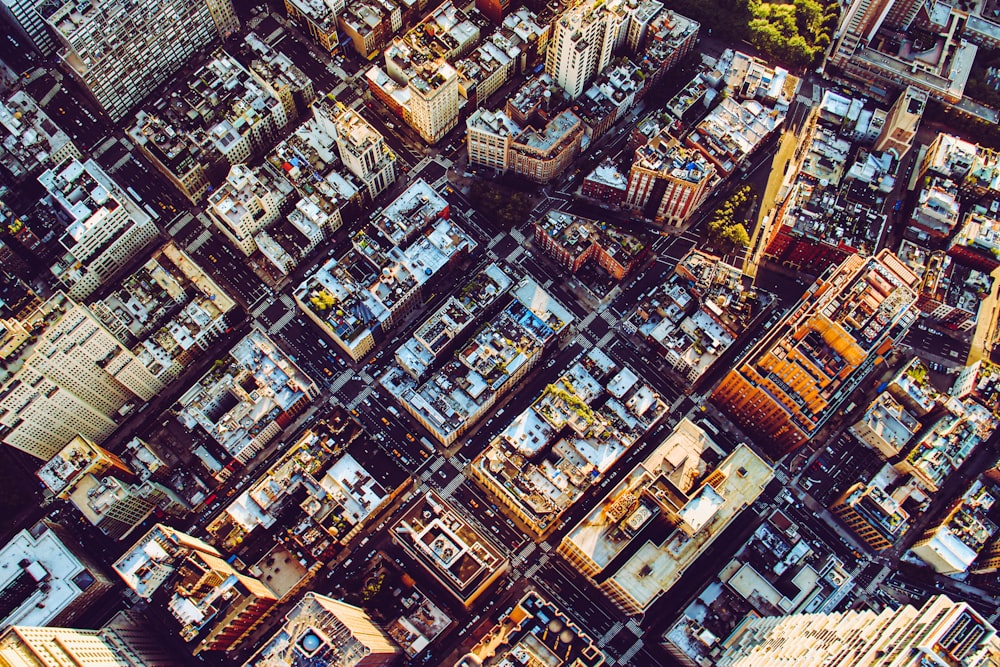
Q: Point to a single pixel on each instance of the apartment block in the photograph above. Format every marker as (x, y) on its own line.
(673, 505)
(535, 627)
(22, 16)
(104, 42)
(950, 292)
(32, 646)
(783, 568)
(321, 630)
(216, 605)
(886, 426)
(66, 375)
(246, 399)
(606, 183)
(318, 19)
(168, 312)
(951, 544)
(358, 297)
(693, 317)
(872, 515)
(438, 335)
(791, 382)
(102, 227)
(543, 462)
(30, 142)
(732, 131)
(335, 494)
(484, 368)
(100, 485)
(572, 241)
(497, 141)
(942, 631)
(980, 381)
(248, 201)
(583, 40)
(447, 547)
(46, 578)
(489, 66)
(610, 97)
(661, 43)
(668, 182)
(361, 147)
(370, 25)
(977, 243)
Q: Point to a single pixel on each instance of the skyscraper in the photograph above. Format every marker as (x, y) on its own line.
(791, 382)
(362, 149)
(121, 50)
(24, 646)
(583, 40)
(24, 17)
(941, 632)
(65, 374)
(321, 630)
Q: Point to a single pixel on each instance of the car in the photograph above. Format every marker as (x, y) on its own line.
(385, 421)
(474, 504)
(409, 436)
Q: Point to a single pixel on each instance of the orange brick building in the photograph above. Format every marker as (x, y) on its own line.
(796, 377)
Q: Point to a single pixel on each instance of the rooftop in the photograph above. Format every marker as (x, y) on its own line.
(29, 140)
(577, 234)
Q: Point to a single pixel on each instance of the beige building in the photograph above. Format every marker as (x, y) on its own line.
(104, 41)
(321, 630)
(65, 375)
(583, 39)
(941, 632)
(244, 205)
(902, 123)
(675, 504)
(28, 646)
(105, 228)
(362, 148)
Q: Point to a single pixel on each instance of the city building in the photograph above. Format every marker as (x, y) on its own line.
(668, 182)
(936, 212)
(606, 184)
(950, 292)
(948, 156)
(572, 241)
(319, 18)
(732, 131)
(873, 54)
(977, 243)
(66, 375)
(103, 40)
(980, 381)
(362, 149)
(901, 125)
(783, 568)
(660, 43)
(100, 485)
(791, 382)
(489, 66)
(583, 40)
(872, 514)
(496, 141)
(358, 297)
(32, 646)
(535, 632)
(216, 605)
(544, 461)
(22, 16)
(29, 141)
(886, 426)
(438, 335)
(448, 547)
(370, 25)
(103, 228)
(696, 314)
(483, 369)
(223, 114)
(673, 505)
(168, 312)
(248, 201)
(46, 579)
(321, 630)
(941, 631)
(951, 544)
(247, 398)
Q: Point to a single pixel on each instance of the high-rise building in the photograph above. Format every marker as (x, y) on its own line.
(941, 632)
(244, 204)
(791, 382)
(105, 228)
(668, 181)
(100, 485)
(30, 646)
(24, 17)
(583, 40)
(65, 375)
(902, 122)
(216, 605)
(319, 18)
(362, 148)
(321, 630)
(120, 51)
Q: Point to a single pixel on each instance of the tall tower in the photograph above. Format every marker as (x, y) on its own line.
(321, 630)
(583, 41)
(23, 646)
(121, 50)
(24, 17)
(902, 122)
(941, 632)
(362, 148)
(66, 374)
